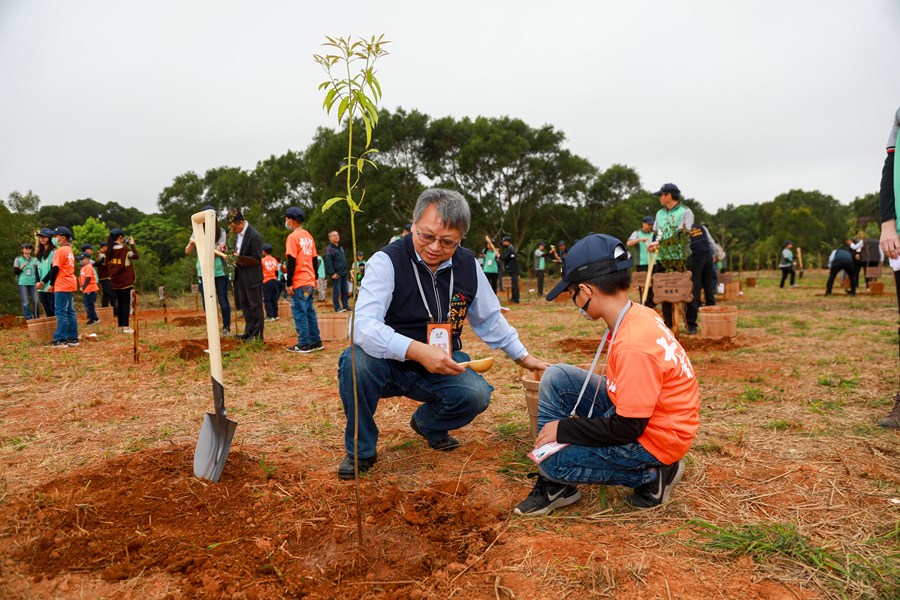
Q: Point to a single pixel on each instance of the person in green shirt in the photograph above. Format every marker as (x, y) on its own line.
(539, 263)
(490, 264)
(25, 267)
(641, 238)
(45, 250)
(673, 222)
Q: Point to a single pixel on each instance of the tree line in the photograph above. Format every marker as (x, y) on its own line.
(520, 181)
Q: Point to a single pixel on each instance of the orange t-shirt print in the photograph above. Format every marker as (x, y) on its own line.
(87, 272)
(269, 268)
(65, 277)
(650, 376)
(301, 245)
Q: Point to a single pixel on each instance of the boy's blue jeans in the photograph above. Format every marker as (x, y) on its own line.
(66, 322)
(304, 312)
(89, 299)
(448, 401)
(629, 464)
(28, 295)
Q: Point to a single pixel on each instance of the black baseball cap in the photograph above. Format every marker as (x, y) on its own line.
(592, 256)
(64, 231)
(46, 232)
(667, 188)
(267, 247)
(87, 247)
(115, 232)
(296, 213)
(27, 245)
(649, 220)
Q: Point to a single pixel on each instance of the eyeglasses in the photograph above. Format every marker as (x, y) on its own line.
(428, 239)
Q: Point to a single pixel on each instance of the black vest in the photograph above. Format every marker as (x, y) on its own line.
(700, 246)
(407, 314)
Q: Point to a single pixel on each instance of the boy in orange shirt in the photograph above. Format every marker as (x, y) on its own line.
(302, 261)
(271, 287)
(62, 283)
(87, 280)
(632, 426)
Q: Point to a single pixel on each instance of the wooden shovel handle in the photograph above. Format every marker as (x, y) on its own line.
(205, 253)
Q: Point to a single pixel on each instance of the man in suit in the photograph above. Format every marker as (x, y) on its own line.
(248, 286)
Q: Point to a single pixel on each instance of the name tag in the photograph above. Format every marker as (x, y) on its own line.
(439, 335)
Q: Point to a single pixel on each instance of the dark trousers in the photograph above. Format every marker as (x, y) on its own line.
(222, 299)
(340, 293)
(271, 291)
(250, 299)
(492, 279)
(48, 301)
(89, 299)
(109, 298)
(785, 271)
(539, 275)
(836, 267)
(123, 306)
(702, 279)
(514, 287)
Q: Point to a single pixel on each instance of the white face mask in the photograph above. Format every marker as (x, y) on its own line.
(287, 224)
(584, 312)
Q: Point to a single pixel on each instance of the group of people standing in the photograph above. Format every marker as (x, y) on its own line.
(49, 276)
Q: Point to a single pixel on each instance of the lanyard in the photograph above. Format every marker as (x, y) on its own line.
(597, 358)
(437, 298)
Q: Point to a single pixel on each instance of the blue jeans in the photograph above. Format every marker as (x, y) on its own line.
(89, 299)
(66, 322)
(341, 290)
(304, 312)
(28, 295)
(630, 464)
(448, 401)
(271, 289)
(221, 298)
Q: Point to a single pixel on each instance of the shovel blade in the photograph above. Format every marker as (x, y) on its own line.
(213, 446)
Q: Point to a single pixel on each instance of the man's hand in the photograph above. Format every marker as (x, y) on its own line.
(433, 359)
(547, 434)
(532, 363)
(890, 241)
(334, 276)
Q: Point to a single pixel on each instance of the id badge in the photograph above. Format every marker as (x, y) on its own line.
(439, 335)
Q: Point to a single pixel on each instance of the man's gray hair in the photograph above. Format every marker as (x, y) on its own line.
(452, 208)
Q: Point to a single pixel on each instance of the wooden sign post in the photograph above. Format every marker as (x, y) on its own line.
(195, 291)
(162, 298)
(675, 287)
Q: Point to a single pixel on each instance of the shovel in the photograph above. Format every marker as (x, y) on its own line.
(217, 430)
(646, 289)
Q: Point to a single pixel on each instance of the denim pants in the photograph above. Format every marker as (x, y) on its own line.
(340, 294)
(89, 299)
(66, 322)
(629, 464)
(221, 298)
(304, 312)
(28, 295)
(270, 297)
(448, 401)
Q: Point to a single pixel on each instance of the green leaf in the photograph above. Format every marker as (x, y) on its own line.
(331, 202)
(329, 99)
(342, 169)
(345, 102)
(360, 163)
(353, 205)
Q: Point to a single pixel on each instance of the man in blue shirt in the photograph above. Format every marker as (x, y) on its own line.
(417, 294)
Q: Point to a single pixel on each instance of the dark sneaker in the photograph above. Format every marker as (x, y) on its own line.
(693, 331)
(892, 420)
(316, 346)
(72, 343)
(297, 349)
(546, 496)
(345, 470)
(445, 445)
(657, 492)
(59, 345)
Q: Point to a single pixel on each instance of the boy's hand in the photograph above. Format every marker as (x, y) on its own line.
(547, 434)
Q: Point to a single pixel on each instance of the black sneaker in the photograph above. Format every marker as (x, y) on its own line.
(345, 470)
(546, 496)
(72, 343)
(59, 344)
(316, 346)
(657, 492)
(297, 349)
(447, 444)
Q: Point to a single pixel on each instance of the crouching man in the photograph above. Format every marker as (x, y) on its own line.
(631, 426)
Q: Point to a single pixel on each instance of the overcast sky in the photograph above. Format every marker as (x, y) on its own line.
(736, 102)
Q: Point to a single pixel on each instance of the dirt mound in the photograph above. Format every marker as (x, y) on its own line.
(286, 536)
(189, 321)
(695, 343)
(584, 345)
(11, 322)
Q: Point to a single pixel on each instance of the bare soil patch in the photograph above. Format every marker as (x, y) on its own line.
(99, 500)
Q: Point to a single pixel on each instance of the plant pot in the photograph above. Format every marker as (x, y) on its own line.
(333, 327)
(42, 330)
(531, 381)
(718, 321)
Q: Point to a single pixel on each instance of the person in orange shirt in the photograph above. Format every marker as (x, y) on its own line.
(302, 261)
(631, 426)
(87, 280)
(271, 287)
(62, 283)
